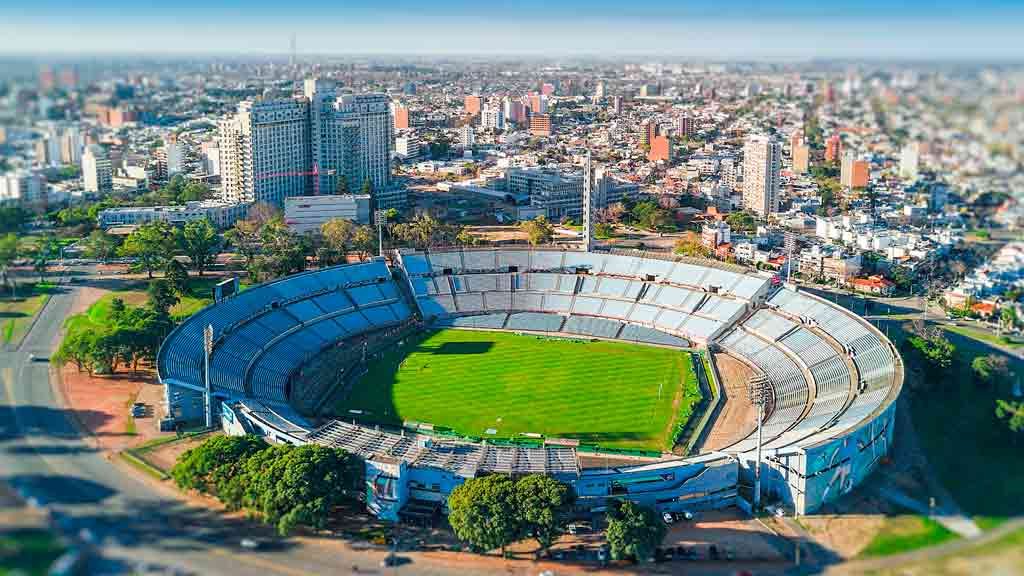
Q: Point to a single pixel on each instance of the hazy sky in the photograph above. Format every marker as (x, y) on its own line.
(739, 29)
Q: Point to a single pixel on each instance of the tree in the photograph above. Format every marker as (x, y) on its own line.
(161, 297)
(211, 465)
(364, 240)
(283, 251)
(543, 505)
(741, 222)
(466, 238)
(1007, 318)
(245, 237)
(8, 254)
(634, 532)
(482, 512)
(367, 188)
(689, 244)
(538, 230)
(342, 188)
(199, 241)
(991, 368)
(933, 350)
(42, 253)
(176, 274)
(151, 245)
(337, 236)
(194, 191)
(100, 246)
(292, 485)
(76, 347)
(262, 213)
(603, 230)
(1013, 413)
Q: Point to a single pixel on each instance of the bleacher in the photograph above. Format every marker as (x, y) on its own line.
(263, 334)
(668, 297)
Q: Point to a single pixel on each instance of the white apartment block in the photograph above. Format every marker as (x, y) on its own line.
(264, 151)
(762, 158)
(97, 174)
(492, 117)
(221, 214)
(408, 146)
(22, 186)
(272, 150)
(308, 213)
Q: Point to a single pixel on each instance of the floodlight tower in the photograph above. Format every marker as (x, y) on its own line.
(588, 204)
(758, 389)
(380, 218)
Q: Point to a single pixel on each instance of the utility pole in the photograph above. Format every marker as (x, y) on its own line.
(208, 393)
(758, 390)
(380, 217)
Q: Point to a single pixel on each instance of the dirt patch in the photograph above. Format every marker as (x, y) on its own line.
(859, 518)
(732, 534)
(738, 418)
(102, 404)
(165, 456)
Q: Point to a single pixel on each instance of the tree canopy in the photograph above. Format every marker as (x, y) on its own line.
(538, 230)
(151, 245)
(634, 532)
(285, 485)
(482, 512)
(199, 241)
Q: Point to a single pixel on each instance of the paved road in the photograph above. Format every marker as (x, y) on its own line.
(44, 457)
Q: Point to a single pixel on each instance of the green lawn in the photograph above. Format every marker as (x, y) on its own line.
(972, 452)
(612, 394)
(984, 336)
(17, 312)
(906, 533)
(134, 294)
(28, 551)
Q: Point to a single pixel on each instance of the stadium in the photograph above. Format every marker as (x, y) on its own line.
(626, 375)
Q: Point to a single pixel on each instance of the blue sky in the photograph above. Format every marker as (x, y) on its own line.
(737, 29)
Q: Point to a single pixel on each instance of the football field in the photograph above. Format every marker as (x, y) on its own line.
(505, 385)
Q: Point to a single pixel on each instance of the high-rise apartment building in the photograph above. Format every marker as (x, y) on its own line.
(264, 149)
(540, 125)
(401, 114)
(801, 158)
(854, 172)
(473, 103)
(762, 158)
(467, 136)
(909, 159)
(686, 128)
(97, 174)
(492, 116)
(661, 149)
(833, 148)
(274, 149)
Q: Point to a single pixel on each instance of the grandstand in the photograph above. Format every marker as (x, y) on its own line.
(281, 350)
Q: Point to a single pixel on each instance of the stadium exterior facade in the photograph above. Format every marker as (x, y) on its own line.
(281, 349)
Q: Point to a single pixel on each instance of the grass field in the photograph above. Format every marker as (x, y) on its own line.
(17, 313)
(96, 317)
(612, 394)
(905, 533)
(28, 551)
(971, 451)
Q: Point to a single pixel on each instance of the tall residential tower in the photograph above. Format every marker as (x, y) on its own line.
(762, 157)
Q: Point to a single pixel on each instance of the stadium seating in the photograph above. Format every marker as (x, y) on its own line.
(829, 372)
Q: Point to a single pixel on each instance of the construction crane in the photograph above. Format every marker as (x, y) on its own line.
(315, 172)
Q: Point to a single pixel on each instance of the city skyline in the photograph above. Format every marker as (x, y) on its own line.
(786, 30)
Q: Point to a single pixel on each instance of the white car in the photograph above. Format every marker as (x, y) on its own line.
(668, 517)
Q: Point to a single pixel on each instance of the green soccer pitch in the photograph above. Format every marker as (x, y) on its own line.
(614, 394)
